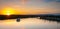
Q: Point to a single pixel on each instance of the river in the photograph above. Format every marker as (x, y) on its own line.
(29, 23)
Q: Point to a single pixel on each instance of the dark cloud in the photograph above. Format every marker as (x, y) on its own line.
(51, 0)
(57, 0)
(48, 0)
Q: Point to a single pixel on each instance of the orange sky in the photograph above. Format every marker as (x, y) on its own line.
(29, 7)
(21, 10)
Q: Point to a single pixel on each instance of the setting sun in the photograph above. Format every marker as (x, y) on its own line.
(8, 11)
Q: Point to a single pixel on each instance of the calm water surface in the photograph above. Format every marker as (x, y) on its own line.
(29, 23)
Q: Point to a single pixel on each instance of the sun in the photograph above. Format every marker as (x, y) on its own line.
(8, 11)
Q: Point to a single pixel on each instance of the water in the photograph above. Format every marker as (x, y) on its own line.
(29, 23)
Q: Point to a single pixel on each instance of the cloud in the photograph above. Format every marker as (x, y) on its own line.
(51, 0)
(48, 0)
(32, 5)
(57, 0)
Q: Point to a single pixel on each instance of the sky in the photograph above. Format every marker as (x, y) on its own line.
(29, 7)
(32, 6)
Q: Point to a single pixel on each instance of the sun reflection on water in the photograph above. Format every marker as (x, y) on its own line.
(11, 23)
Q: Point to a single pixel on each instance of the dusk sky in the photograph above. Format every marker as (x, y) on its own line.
(31, 6)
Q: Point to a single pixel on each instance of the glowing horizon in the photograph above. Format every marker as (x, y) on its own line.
(8, 11)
